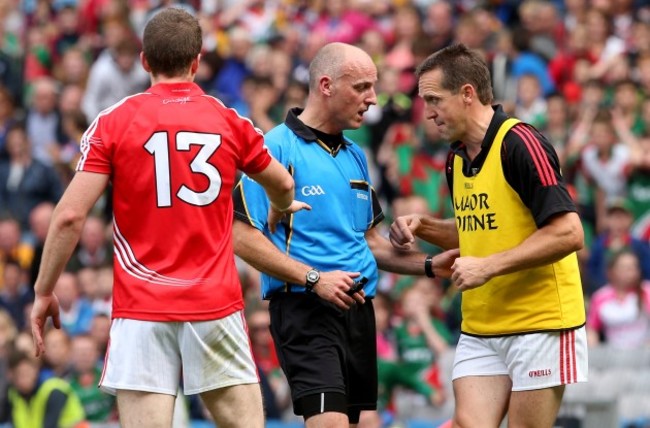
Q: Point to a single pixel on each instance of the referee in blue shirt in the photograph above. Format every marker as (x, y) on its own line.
(324, 330)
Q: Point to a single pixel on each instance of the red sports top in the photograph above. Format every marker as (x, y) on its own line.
(172, 154)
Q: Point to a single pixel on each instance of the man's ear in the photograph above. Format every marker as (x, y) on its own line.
(325, 86)
(469, 93)
(144, 63)
(195, 64)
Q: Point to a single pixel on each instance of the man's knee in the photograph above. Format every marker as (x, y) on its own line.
(236, 406)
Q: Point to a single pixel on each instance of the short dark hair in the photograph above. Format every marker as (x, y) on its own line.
(460, 65)
(172, 39)
(17, 357)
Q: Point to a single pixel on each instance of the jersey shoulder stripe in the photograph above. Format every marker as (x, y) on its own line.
(87, 138)
(538, 154)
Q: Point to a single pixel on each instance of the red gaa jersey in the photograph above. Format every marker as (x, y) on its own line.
(172, 155)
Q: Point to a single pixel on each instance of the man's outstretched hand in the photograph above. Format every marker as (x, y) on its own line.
(276, 215)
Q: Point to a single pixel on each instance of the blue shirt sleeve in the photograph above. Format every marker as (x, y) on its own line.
(250, 201)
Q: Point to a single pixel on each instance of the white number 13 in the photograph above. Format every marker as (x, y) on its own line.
(158, 146)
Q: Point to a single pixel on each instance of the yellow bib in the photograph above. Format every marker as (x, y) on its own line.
(491, 218)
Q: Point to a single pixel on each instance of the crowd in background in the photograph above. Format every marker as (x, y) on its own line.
(578, 70)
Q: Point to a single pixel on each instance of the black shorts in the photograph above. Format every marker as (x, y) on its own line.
(323, 349)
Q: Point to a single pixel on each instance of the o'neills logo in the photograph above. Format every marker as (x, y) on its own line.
(539, 373)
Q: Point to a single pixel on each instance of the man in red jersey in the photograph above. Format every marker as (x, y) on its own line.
(171, 154)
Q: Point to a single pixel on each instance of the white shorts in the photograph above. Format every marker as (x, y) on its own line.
(151, 356)
(533, 361)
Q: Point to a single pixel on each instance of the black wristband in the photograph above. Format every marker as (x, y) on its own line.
(428, 269)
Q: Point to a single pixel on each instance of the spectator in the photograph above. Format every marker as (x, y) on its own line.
(603, 45)
(33, 403)
(96, 285)
(74, 125)
(56, 361)
(73, 69)
(228, 82)
(100, 328)
(7, 119)
(340, 22)
(626, 106)
(421, 338)
(85, 376)
(276, 394)
(257, 17)
(619, 312)
(513, 60)
(615, 237)
(643, 74)
(439, 23)
(94, 248)
(43, 120)
(12, 246)
(638, 188)
(8, 333)
(387, 362)
(562, 68)
(69, 31)
(16, 293)
(530, 106)
(76, 312)
(542, 20)
(70, 99)
(557, 123)
(114, 75)
(606, 157)
(25, 181)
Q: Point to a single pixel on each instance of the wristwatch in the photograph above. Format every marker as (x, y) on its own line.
(428, 268)
(312, 277)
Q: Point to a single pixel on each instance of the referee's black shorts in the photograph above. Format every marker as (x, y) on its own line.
(327, 354)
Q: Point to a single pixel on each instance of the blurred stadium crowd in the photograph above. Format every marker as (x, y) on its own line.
(578, 70)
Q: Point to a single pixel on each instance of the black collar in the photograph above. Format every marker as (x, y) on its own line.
(299, 128)
(307, 133)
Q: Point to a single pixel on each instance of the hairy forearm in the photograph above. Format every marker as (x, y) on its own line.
(411, 263)
(440, 232)
(391, 260)
(255, 249)
(561, 237)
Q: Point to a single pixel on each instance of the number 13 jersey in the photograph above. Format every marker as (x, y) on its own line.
(172, 154)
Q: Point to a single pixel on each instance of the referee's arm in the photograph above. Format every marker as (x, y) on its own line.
(407, 262)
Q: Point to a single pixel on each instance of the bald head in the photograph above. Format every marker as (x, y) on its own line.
(341, 88)
(331, 60)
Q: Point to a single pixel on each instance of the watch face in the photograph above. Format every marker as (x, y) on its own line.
(313, 276)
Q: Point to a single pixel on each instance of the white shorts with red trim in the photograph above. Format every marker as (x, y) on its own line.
(154, 356)
(533, 361)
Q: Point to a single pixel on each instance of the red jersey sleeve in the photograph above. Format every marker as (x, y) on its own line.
(95, 153)
(255, 156)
